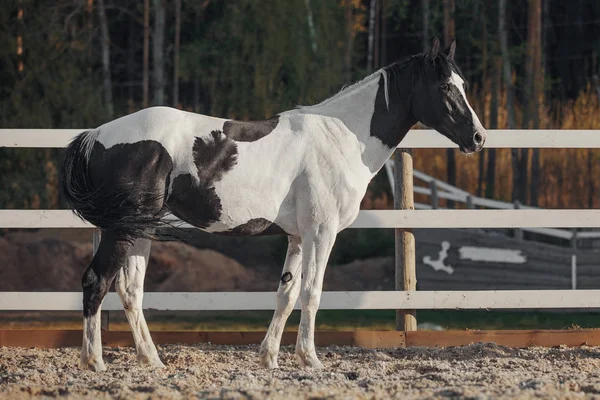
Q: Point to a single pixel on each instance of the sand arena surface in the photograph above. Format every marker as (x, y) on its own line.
(206, 371)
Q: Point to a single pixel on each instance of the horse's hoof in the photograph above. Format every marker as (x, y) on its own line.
(309, 360)
(152, 362)
(94, 365)
(268, 359)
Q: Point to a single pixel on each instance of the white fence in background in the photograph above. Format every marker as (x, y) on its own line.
(437, 189)
(532, 219)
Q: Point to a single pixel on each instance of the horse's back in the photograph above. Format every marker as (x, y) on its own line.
(166, 125)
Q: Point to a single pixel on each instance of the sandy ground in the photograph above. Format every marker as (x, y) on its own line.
(478, 371)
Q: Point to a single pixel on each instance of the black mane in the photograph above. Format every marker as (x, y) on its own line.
(441, 67)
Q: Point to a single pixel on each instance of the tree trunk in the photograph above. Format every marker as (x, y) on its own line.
(90, 30)
(529, 65)
(523, 166)
(196, 95)
(449, 31)
(105, 44)
(484, 79)
(537, 93)
(311, 26)
(591, 180)
(349, 21)
(480, 179)
(484, 65)
(426, 17)
(176, 53)
(145, 84)
(596, 80)
(132, 74)
(371, 37)
(20, 31)
(491, 167)
(158, 64)
(376, 39)
(448, 37)
(507, 70)
(383, 60)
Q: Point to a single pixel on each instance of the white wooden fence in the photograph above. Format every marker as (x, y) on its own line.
(437, 189)
(523, 218)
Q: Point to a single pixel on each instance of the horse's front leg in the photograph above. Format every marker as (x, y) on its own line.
(316, 247)
(287, 294)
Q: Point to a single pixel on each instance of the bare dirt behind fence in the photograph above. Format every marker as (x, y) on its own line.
(475, 371)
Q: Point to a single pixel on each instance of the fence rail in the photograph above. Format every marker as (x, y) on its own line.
(415, 139)
(406, 219)
(368, 300)
(533, 219)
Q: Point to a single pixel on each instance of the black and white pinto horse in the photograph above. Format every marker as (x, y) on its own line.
(301, 173)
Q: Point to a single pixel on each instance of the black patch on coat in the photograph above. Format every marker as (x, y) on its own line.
(120, 189)
(249, 131)
(215, 156)
(254, 227)
(390, 122)
(197, 202)
(285, 278)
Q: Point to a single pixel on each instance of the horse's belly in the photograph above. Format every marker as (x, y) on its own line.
(238, 212)
(245, 200)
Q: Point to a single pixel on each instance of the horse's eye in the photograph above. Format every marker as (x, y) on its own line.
(444, 87)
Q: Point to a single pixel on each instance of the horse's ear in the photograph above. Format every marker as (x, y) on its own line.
(435, 49)
(451, 50)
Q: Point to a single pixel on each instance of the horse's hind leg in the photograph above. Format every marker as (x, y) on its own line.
(130, 286)
(108, 260)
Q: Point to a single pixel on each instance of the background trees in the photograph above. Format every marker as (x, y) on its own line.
(79, 63)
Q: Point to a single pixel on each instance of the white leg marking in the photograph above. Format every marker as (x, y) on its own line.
(91, 350)
(130, 286)
(316, 247)
(287, 294)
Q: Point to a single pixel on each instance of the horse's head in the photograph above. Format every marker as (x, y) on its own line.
(439, 99)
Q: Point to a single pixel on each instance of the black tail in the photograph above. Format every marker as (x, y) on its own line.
(129, 209)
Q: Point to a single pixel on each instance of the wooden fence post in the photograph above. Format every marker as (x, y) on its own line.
(518, 232)
(470, 205)
(406, 276)
(435, 204)
(574, 259)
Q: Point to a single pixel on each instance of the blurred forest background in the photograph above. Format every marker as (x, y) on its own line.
(80, 63)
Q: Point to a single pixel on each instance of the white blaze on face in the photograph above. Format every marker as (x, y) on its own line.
(457, 81)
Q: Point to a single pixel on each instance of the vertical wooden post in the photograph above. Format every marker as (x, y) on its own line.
(518, 232)
(470, 205)
(574, 259)
(406, 276)
(435, 204)
(574, 238)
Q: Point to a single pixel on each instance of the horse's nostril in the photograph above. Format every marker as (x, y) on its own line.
(477, 138)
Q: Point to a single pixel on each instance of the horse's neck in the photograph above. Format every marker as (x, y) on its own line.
(368, 111)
